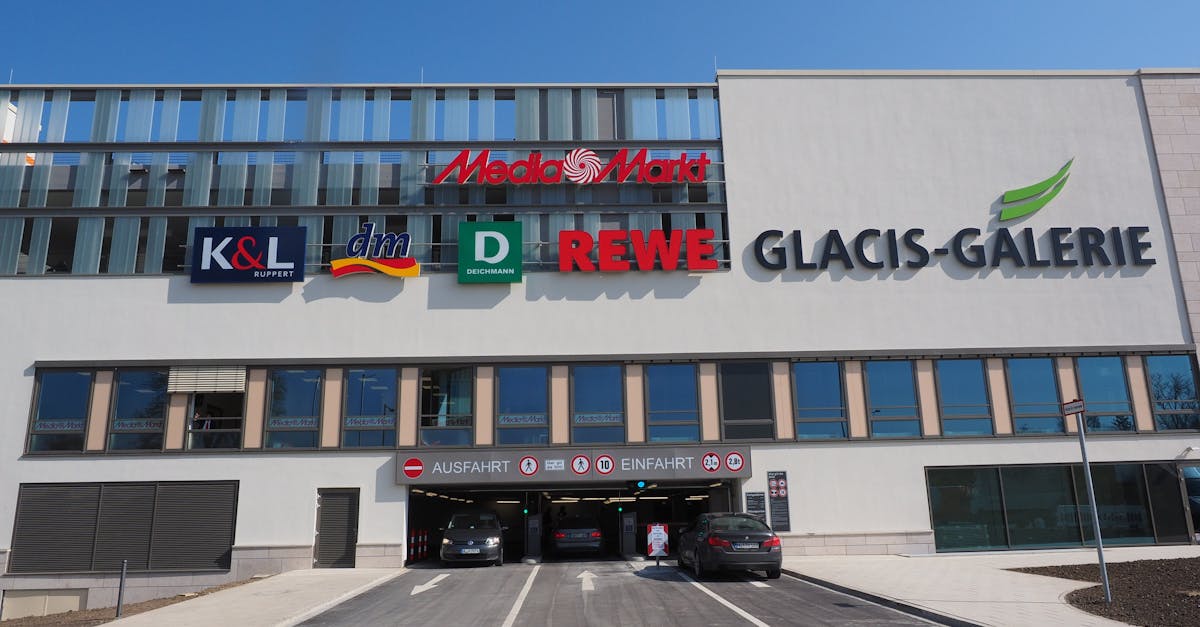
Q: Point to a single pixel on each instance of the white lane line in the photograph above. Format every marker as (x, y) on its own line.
(759, 584)
(516, 608)
(737, 610)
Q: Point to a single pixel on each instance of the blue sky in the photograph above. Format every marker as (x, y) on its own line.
(343, 41)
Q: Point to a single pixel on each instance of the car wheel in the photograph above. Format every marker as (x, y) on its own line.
(774, 573)
(697, 567)
(500, 560)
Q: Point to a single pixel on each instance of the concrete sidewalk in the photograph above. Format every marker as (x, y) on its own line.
(285, 599)
(976, 588)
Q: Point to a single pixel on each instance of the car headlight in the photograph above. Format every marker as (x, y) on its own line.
(492, 541)
(445, 541)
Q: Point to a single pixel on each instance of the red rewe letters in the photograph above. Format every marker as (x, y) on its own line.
(575, 247)
(536, 170)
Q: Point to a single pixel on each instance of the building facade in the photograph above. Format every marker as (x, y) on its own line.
(263, 328)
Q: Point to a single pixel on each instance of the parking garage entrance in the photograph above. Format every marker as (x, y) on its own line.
(555, 503)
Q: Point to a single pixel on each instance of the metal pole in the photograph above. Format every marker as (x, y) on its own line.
(121, 589)
(1087, 474)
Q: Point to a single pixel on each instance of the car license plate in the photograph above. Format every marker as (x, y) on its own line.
(745, 546)
(577, 536)
(470, 551)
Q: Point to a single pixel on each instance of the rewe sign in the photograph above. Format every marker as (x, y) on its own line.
(582, 166)
(656, 246)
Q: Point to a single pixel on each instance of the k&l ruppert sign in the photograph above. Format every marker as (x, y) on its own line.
(248, 254)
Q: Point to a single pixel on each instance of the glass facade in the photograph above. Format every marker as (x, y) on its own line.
(370, 401)
(597, 404)
(522, 405)
(446, 401)
(293, 408)
(60, 411)
(892, 407)
(1172, 381)
(747, 404)
(1105, 390)
(820, 401)
(1033, 395)
(963, 400)
(139, 410)
(672, 403)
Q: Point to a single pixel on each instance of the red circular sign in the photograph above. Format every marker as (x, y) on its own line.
(581, 464)
(782, 491)
(413, 468)
(711, 462)
(605, 464)
(734, 461)
(528, 466)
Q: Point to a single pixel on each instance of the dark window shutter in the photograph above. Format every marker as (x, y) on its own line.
(123, 531)
(193, 525)
(337, 528)
(55, 528)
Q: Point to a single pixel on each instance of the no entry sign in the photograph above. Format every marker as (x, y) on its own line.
(413, 468)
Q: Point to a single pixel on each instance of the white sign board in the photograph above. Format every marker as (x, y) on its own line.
(1072, 407)
(656, 540)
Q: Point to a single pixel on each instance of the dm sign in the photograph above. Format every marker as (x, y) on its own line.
(572, 465)
(246, 254)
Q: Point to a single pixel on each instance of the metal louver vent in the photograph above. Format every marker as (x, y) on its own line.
(207, 379)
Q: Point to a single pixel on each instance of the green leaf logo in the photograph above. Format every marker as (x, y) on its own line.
(1054, 184)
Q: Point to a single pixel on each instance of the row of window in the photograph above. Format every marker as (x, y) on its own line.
(597, 403)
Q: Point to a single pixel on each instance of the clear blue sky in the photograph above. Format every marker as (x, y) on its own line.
(342, 41)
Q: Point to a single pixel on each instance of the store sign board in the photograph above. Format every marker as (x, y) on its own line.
(581, 166)
(651, 250)
(369, 251)
(489, 252)
(777, 487)
(248, 254)
(550, 465)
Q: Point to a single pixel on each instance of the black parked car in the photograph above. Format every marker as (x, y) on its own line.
(578, 534)
(725, 541)
(473, 537)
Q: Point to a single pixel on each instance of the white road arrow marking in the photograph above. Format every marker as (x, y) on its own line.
(427, 586)
(589, 581)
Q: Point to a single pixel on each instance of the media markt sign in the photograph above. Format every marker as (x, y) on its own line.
(489, 252)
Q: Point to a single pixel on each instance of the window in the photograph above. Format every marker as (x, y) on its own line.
(1172, 381)
(522, 405)
(216, 420)
(139, 410)
(963, 397)
(1034, 502)
(820, 402)
(1033, 390)
(892, 399)
(1105, 393)
(966, 507)
(747, 404)
(672, 403)
(446, 417)
(294, 408)
(60, 411)
(598, 404)
(369, 417)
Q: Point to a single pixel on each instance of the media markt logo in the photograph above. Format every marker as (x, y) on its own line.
(489, 252)
(1054, 184)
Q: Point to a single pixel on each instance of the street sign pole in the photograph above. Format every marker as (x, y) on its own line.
(1076, 407)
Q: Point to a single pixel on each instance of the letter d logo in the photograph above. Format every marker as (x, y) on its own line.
(481, 240)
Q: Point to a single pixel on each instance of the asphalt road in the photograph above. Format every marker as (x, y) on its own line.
(599, 592)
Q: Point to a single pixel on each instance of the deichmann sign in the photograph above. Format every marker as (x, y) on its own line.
(262, 254)
(1059, 247)
(385, 253)
(489, 252)
(550, 465)
(581, 165)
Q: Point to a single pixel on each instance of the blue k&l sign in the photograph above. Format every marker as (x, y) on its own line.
(248, 254)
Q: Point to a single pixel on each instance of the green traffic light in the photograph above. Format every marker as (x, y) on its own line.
(525, 511)
(620, 509)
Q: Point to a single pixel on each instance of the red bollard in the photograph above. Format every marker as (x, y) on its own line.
(424, 543)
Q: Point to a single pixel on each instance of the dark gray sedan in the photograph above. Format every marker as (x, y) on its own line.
(473, 537)
(578, 534)
(726, 541)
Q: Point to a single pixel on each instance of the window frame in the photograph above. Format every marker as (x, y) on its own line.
(845, 409)
(772, 420)
(113, 401)
(320, 404)
(871, 420)
(624, 424)
(190, 428)
(941, 406)
(496, 426)
(1012, 403)
(33, 412)
(698, 423)
(1191, 357)
(345, 413)
(1088, 413)
(421, 416)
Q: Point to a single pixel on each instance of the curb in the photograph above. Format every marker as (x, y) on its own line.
(899, 606)
(311, 612)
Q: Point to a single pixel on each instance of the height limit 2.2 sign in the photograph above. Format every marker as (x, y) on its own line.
(777, 488)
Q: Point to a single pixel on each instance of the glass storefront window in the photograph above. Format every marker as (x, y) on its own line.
(965, 507)
(1033, 390)
(1120, 501)
(370, 399)
(1105, 393)
(1172, 380)
(963, 397)
(597, 404)
(522, 405)
(60, 415)
(1038, 503)
(672, 403)
(747, 405)
(294, 408)
(820, 403)
(139, 410)
(447, 418)
(892, 399)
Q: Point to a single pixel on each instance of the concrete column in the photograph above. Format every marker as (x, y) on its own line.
(927, 397)
(560, 405)
(1139, 393)
(97, 424)
(410, 407)
(781, 390)
(485, 405)
(177, 421)
(256, 407)
(856, 399)
(331, 409)
(997, 386)
(1065, 366)
(635, 403)
(710, 411)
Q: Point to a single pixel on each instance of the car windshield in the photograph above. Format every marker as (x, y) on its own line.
(474, 521)
(578, 522)
(737, 523)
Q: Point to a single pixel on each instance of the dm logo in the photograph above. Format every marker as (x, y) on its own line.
(386, 253)
(489, 252)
